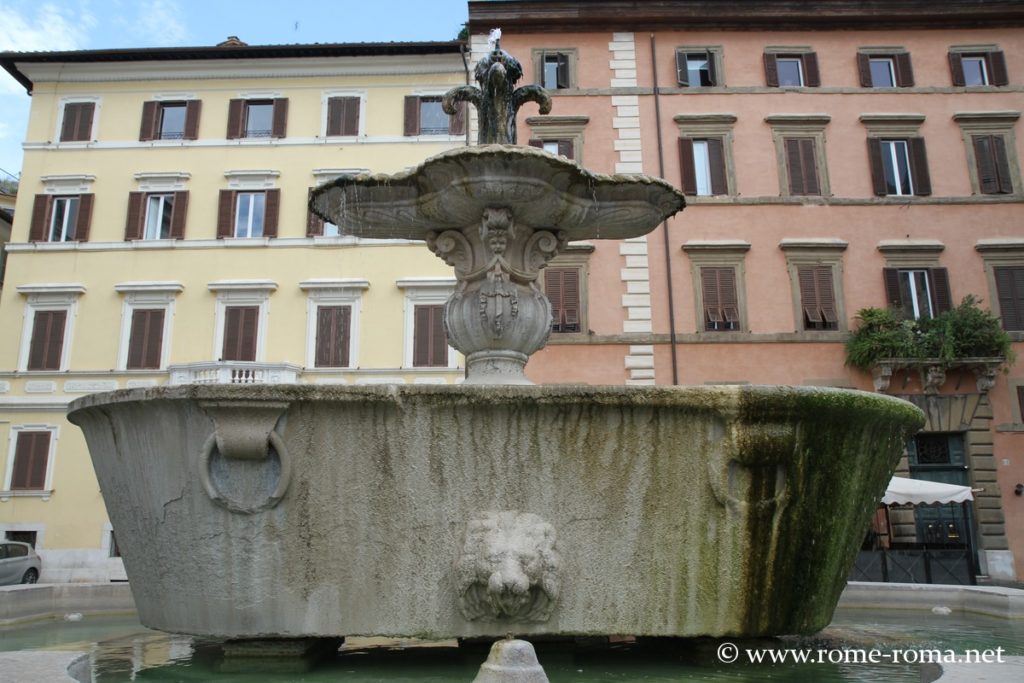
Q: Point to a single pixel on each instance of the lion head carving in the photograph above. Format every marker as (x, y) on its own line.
(508, 568)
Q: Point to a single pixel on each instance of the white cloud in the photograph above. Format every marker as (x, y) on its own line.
(157, 22)
(49, 28)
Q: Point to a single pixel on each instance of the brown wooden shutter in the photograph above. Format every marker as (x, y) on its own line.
(1010, 292)
(919, 167)
(240, 330)
(566, 149)
(412, 115)
(178, 213)
(686, 165)
(37, 231)
(87, 111)
(279, 128)
(271, 213)
(877, 169)
(192, 111)
(1002, 164)
(891, 278)
(998, 74)
(904, 70)
(84, 221)
(771, 70)
(335, 115)
(457, 121)
(314, 224)
(430, 348)
(226, 214)
(47, 341)
(145, 341)
(563, 71)
(31, 453)
(812, 75)
(236, 119)
(720, 298)
(77, 124)
(956, 67)
(562, 287)
(135, 224)
(817, 297)
(712, 69)
(147, 129)
(69, 126)
(716, 162)
(534, 142)
(803, 166)
(942, 298)
(350, 122)
(864, 69)
(333, 329)
(984, 157)
(682, 73)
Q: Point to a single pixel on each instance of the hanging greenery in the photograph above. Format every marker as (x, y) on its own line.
(966, 331)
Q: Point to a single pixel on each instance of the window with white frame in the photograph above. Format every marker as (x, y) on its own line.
(250, 212)
(77, 121)
(332, 330)
(30, 460)
(159, 209)
(63, 218)
(48, 324)
(240, 326)
(425, 343)
(146, 318)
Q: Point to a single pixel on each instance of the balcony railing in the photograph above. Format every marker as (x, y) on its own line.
(234, 372)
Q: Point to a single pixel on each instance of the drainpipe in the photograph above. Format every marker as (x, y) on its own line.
(465, 67)
(673, 340)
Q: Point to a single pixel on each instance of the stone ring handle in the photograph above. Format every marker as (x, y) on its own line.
(218, 497)
(244, 432)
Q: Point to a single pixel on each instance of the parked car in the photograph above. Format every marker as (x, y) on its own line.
(18, 563)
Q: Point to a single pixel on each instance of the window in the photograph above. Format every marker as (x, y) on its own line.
(333, 327)
(992, 164)
(721, 304)
(426, 345)
(565, 148)
(145, 323)
(156, 215)
(343, 116)
(47, 341)
(562, 287)
(29, 537)
(243, 308)
(698, 67)
(61, 218)
(31, 457)
(703, 166)
(802, 166)
(817, 298)
(562, 135)
(796, 69)
(145, 343)
(424, 116)
(318, 227)
(430, 346)
(800, 153)
(885, 69)
(170, 120)
(246, 214)
(555, 71)
(705, 154)
(816, 276)
(899, 167)
(981, 66)
(241, 325)
(257, 118)
(918, 292)
(1010, 292)
(76, 124)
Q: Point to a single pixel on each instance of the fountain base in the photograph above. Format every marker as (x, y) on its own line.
(511, 661)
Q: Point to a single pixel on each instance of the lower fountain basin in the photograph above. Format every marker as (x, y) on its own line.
(464, 511)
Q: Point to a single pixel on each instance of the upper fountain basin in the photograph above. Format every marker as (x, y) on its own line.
(452, 189)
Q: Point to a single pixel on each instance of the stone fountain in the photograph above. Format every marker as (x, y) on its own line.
(495, 506)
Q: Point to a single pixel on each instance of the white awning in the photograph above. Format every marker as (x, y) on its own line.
(903, 491)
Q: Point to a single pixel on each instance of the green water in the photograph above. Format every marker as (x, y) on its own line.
(122, 650)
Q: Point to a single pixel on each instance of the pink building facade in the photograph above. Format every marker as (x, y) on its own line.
(836, 156)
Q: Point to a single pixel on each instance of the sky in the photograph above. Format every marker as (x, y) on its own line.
(30, 25)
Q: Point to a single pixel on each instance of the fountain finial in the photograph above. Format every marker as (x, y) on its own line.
(497, 99)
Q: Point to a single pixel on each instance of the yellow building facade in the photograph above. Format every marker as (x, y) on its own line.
(162, 236)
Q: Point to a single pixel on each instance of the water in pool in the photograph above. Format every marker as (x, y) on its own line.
(122, 650)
